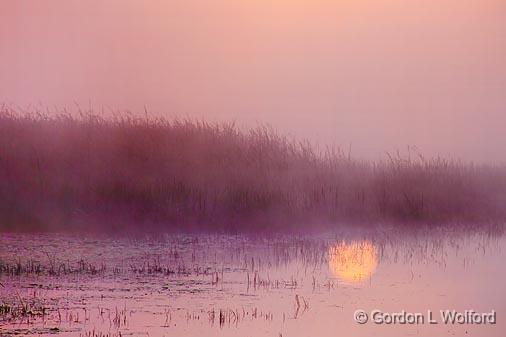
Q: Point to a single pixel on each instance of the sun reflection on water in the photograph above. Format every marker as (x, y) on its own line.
(353, 261)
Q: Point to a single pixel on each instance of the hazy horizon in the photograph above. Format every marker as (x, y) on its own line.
(379, 75)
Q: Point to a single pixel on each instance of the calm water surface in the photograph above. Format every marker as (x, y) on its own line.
(208, 285)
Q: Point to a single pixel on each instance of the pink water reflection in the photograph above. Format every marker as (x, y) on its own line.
(238, 286)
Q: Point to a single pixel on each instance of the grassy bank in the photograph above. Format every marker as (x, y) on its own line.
(64, 172)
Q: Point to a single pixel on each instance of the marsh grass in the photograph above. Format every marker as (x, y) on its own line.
(53, 268)
(64, 171)
(23, 310)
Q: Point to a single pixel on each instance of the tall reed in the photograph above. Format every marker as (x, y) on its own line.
(61, 171)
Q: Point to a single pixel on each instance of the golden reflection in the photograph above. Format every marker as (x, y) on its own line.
(353, 261)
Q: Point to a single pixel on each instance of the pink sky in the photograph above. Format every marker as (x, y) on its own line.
(379, 74)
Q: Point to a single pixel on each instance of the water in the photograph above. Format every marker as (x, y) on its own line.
(207, 285)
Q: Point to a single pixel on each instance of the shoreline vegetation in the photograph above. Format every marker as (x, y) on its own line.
(86, 172)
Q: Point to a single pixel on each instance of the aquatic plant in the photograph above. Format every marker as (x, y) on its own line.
(84, 171)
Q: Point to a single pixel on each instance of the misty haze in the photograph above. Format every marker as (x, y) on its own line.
(252, 168)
